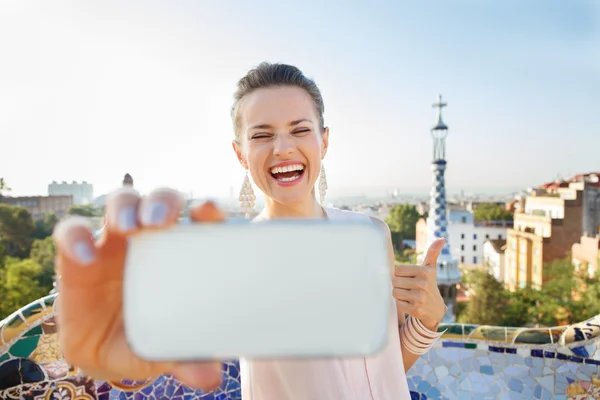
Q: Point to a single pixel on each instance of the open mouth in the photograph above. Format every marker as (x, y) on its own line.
(289, 173)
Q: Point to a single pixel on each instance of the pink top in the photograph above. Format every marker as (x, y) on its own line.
(379, 377)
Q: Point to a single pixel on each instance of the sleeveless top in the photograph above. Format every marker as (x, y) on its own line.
(378, 377)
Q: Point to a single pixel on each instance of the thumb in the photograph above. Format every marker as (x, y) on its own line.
(434, 252)
(204, 376)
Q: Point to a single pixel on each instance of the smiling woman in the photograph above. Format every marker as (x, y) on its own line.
(281, 141)
(280, 136)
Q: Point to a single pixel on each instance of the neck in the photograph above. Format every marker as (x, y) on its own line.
(306, 209)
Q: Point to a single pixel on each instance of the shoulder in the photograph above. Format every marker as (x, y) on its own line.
(334, 213)
(381, 224)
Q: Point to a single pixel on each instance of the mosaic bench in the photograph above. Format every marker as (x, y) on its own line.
(469, 362)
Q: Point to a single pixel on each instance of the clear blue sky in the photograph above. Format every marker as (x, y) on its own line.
(92, 90)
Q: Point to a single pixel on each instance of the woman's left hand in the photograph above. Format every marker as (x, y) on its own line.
(416, 291)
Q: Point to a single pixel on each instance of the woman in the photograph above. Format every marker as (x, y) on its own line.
(281, 139)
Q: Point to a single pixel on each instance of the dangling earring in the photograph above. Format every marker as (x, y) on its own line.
(247, 196)
(322, 184)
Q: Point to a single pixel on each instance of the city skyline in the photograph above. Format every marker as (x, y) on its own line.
(152, 89)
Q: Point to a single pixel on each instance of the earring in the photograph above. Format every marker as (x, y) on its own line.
(322, 184)
(247, 196)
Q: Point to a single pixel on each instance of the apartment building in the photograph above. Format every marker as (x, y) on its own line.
(554, 217)
(39, 206)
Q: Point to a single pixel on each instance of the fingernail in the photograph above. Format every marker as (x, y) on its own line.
(155, 213)
(84, 253)
(127, 219)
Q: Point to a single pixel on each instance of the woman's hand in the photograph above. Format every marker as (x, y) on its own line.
(416, 291)
(89, 310)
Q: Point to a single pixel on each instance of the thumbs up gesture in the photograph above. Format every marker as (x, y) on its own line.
(416, 291)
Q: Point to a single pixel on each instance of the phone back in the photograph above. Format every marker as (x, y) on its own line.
(285, 288)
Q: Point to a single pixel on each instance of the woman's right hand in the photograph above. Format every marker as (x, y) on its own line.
(89, 312)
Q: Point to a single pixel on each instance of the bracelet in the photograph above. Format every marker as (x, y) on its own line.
(423, 331)
(416, 337)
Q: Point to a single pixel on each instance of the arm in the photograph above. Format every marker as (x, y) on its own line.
(408, 358)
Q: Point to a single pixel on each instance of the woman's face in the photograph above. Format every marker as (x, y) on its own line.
(281, 143)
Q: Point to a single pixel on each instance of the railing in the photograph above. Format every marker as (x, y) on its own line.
(499, 224)
(468, 362)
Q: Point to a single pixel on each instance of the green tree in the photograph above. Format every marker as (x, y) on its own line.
(406, 256)
(491, 212)
(43, 253)
(522, 308)
(586, 300)
(44, 227)
(20, 285)
(488, 302)
(16, 227)
(3, 188)
(85, 210)
(402, 221)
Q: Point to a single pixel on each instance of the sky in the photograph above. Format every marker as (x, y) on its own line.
(92, 90)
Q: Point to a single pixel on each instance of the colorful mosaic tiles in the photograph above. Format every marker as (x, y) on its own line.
(31, 367)
(469, 362)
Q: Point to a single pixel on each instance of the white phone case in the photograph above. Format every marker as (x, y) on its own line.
(286, 288)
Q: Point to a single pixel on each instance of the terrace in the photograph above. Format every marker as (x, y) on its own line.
(468, 362)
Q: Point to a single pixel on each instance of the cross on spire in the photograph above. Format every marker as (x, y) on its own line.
(439, 105)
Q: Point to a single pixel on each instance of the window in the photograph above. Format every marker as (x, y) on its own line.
(462, 247)
(464, 220)
(474, 247)
(499, 236)
(462, 259)
(475, 260)
(462, 235)
(487, 236)
(474, 236)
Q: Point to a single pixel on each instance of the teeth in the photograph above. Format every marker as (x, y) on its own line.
(287, 168)
(293, 178)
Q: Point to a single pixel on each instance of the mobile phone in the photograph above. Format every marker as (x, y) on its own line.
(272, 289)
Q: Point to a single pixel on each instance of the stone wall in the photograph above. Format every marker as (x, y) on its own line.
(469, 362)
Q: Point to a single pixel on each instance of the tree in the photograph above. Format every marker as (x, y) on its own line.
(43, 253)
(85, 210)
(20, 285)
(492, 212)
(487, 304)
(44, 227)
(16, 227)
(406, 256)
(402, 221)
(3, 187)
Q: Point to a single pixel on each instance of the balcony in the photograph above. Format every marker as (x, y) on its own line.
(494, 224)
(469, 361)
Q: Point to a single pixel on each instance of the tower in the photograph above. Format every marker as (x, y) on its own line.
(448, 274)
(127, 180)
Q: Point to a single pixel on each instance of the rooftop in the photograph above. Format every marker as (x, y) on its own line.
(498, 245)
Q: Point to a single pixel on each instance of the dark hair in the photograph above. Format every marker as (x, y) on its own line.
(268, 75)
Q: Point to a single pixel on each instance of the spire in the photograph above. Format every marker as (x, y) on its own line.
(439, 105)
(127, 180)
(448, 274)
(439, 132)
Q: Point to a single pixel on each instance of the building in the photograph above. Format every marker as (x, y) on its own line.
(466, 236)
(127, 180)
(587, 252)
(554, 217)
(39, 206)
(493, 257)
(448, 274)
(83, 193)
